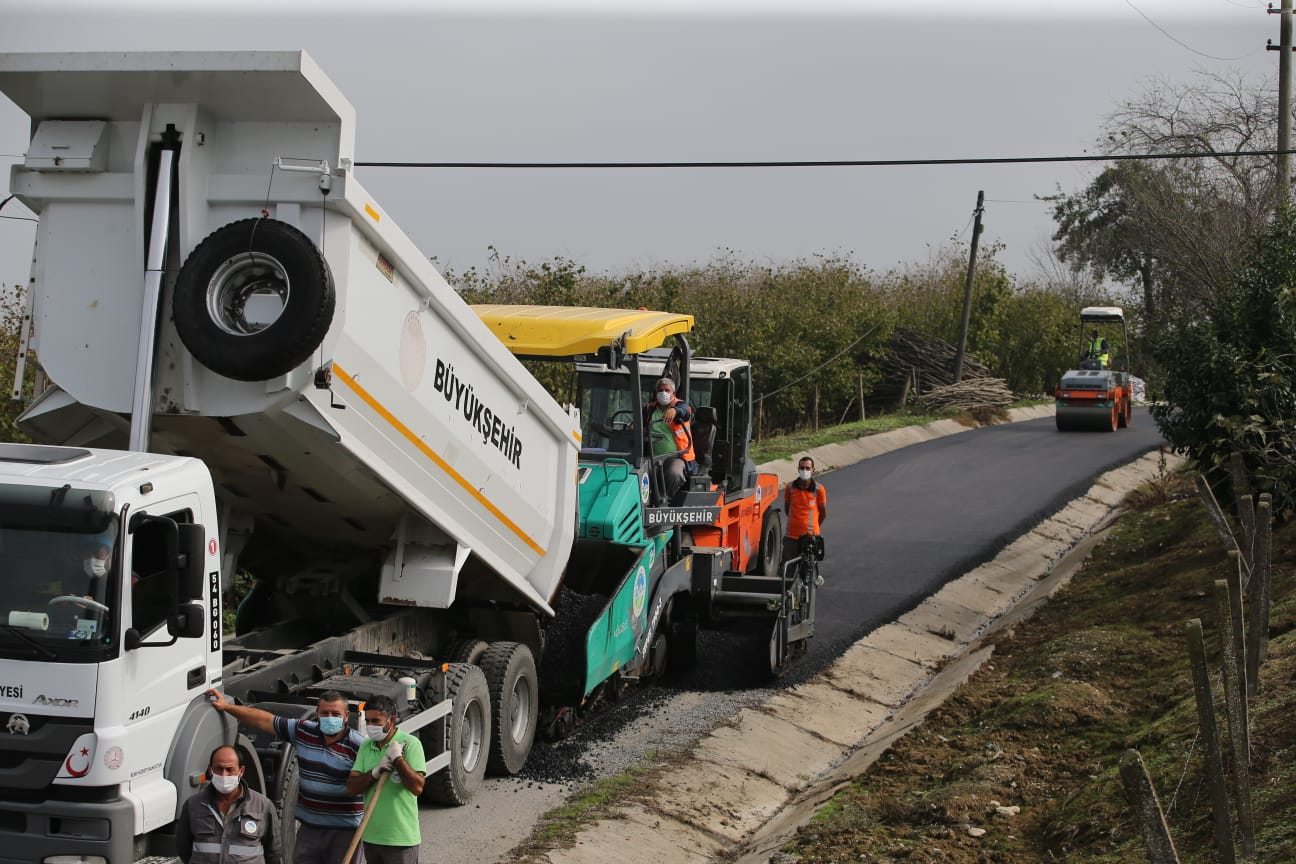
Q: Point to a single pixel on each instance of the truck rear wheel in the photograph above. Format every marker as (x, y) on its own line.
(468, 738)
(466, 651)
(254, 299)
(514, 697)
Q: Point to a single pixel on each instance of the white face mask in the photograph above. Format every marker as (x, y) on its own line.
(805, 473)
(376, 733)
(225, 783)
(95, 566)
(665, 397)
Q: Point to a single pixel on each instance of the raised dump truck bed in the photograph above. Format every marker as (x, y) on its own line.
(342, 395)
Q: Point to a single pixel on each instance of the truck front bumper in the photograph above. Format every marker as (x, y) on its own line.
(30, 832)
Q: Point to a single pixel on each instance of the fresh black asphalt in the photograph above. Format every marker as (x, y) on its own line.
(903, 524)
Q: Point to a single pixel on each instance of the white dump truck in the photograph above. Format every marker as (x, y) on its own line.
(243, 366)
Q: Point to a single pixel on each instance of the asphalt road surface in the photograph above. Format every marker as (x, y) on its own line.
(903, 524)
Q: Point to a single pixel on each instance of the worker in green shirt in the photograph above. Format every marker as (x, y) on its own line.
(392, 833)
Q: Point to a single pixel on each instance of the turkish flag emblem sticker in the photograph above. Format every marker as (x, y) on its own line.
(78, 762)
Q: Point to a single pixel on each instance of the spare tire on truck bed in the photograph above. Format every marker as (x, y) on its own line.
(253, 300)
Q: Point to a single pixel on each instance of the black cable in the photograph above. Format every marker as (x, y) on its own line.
(1181, 43)
(837, 163)
(16, 218)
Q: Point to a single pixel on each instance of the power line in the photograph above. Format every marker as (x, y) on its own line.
(840, 163)
(1181, 43)
(835, 357)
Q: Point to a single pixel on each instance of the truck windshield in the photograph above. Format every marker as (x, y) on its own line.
(59, 562)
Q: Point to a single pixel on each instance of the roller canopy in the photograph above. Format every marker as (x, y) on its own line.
(1102, 314)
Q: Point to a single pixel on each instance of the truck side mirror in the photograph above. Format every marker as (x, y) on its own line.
(192, 545)
(187, 623)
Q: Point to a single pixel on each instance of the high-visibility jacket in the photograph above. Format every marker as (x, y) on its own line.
(1098, 350)
(805, 507)
(681, 427)
(247, 834)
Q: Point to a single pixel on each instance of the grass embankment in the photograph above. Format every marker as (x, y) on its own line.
(1100, 669)
(559, 827)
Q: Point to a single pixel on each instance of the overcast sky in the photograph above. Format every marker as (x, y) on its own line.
(667, 80)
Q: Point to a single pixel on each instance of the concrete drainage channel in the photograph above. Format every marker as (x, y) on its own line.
(745, 787)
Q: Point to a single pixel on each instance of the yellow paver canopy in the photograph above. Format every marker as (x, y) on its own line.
(563, 331)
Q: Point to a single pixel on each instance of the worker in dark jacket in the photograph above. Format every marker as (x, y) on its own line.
(226, 822)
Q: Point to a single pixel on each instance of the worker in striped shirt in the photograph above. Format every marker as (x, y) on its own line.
(326, 749)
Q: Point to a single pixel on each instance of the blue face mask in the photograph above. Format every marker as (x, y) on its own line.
(330, 725)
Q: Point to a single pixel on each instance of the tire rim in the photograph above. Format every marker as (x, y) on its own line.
(471, 739)
(520, 709)
(248, 293)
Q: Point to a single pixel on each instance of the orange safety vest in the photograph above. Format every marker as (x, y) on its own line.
(683, 431)
(802, 506)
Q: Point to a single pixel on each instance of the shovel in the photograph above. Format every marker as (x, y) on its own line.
(359, 832)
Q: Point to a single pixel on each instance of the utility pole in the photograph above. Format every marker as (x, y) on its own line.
(1284, 49)
(967, 288)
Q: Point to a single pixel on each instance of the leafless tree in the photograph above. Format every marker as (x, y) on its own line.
(1175, 227)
